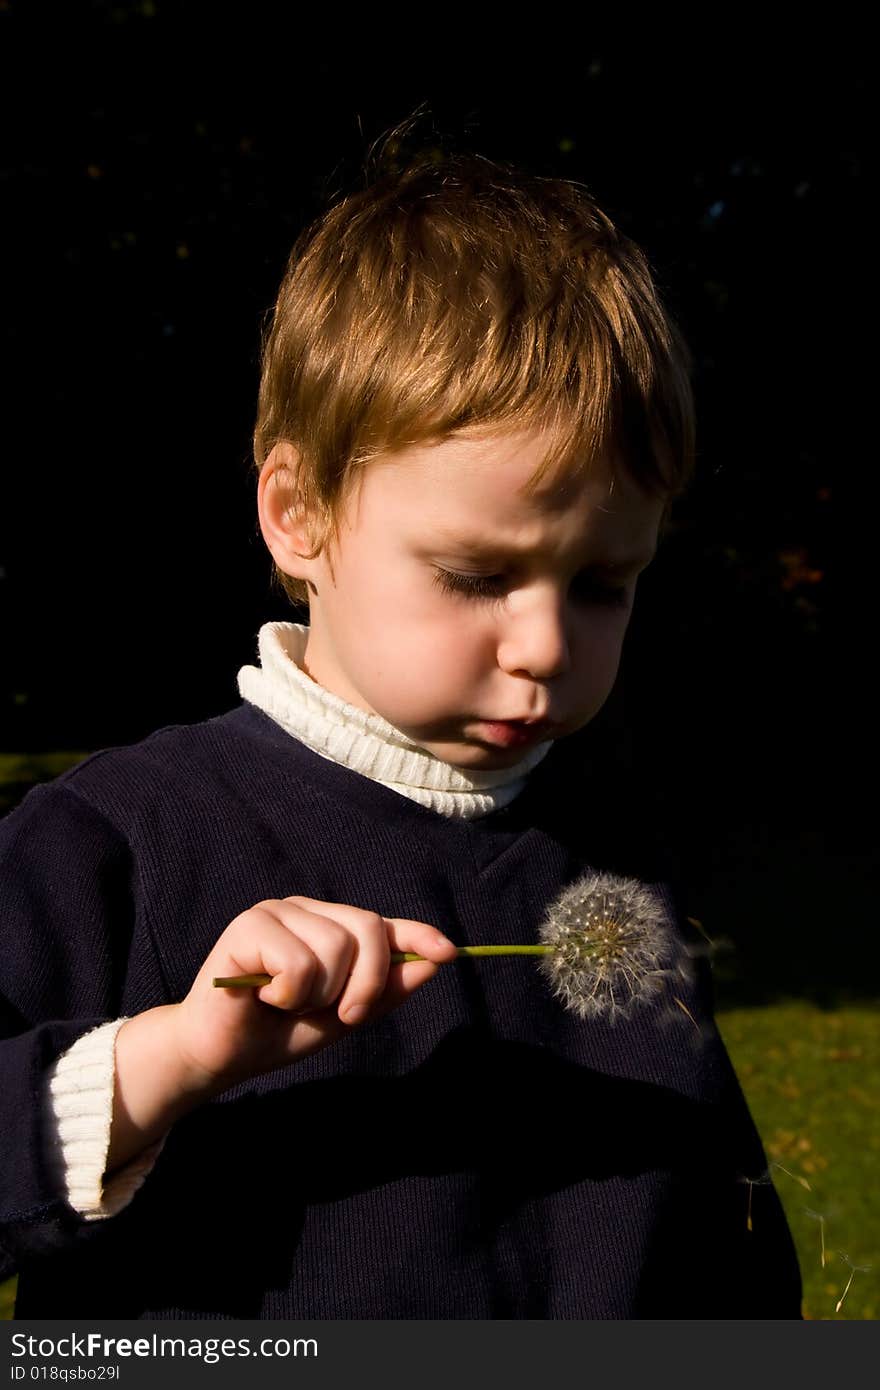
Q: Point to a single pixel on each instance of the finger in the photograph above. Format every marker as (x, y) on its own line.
(316, 1028)
(375, 986)
(404, 979)
(421, 939)
(372, 974)
(368, 976)
(260, 944)
(405, 934)
(334, 944)
(368, 934)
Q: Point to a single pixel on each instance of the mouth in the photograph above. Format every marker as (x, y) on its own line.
(516, 733)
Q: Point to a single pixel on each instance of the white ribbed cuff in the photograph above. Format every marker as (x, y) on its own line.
(79, 1114)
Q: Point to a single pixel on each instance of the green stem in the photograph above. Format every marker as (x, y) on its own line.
(397, 958)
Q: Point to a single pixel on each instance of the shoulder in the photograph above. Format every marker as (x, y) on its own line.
(119, 788)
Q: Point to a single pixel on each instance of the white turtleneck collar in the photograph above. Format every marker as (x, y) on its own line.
(364, 742)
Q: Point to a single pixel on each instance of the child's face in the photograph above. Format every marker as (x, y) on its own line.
(558, 570)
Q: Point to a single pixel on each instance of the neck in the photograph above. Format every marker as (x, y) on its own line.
(367, 743)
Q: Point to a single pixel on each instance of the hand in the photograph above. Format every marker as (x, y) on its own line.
(331, 970)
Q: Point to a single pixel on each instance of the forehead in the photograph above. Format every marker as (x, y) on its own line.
(480, 493)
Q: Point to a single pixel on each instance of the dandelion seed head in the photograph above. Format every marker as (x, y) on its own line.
(612, 946)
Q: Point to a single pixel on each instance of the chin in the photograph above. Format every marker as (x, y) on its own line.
(478, 757)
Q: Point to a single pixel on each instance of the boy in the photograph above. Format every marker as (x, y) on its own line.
(473, 415)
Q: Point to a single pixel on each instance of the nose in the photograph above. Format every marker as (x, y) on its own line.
(535, 640)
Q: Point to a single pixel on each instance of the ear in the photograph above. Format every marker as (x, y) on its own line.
(285, 527)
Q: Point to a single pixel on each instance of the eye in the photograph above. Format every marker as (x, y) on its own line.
(586, 587)
(473, 585)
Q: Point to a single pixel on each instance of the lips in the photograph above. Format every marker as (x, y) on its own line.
(514, 733)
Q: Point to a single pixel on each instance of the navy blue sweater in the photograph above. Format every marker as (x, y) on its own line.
(480, 1152)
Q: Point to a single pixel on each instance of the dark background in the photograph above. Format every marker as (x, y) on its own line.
(161, 158)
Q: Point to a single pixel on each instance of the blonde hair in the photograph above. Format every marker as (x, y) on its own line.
(464, 296)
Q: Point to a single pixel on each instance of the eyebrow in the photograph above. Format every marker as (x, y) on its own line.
(477, 547)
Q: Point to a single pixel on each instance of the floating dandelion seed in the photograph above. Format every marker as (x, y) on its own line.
(855, 1269)
(605, 946)
(685, 1009)
(803, 1182)
(765, 1179)
(817, 1216)
(695, 922)
(762, 1180)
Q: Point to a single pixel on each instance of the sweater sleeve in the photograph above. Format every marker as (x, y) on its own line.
(66, 924)
(79, 1097)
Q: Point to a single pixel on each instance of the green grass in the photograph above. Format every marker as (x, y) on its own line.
(35, 767)
(812, 1080)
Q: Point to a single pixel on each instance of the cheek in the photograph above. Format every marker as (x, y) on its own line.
(451, 647)
(442, 653)
(599, 649)
(429, 621)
